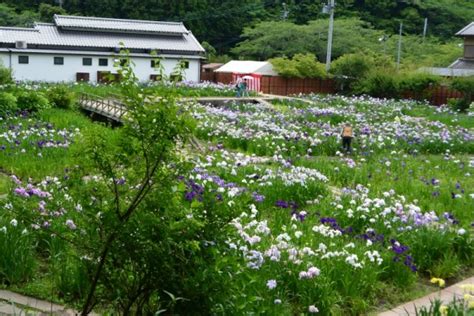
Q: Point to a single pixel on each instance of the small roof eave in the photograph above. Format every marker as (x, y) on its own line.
(468, 30)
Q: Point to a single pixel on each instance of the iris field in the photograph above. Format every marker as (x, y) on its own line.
(302, 226)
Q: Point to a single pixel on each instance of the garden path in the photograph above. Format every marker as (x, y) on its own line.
(12, 303)
(446, 295)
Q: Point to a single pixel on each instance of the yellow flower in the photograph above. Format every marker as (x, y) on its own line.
(468, 297)
(443, 309)
(470, 305)
(438, 281)
(468, 288)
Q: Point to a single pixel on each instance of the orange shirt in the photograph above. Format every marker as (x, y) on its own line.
(347, 131)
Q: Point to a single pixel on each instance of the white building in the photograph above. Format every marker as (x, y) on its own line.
(84, 48)
(248, 70)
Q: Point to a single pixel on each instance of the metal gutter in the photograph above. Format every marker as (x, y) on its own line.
(98, 53)
(10, 59)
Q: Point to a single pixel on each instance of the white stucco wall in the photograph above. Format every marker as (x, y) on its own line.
(41, 67)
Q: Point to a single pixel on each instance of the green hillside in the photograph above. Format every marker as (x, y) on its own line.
(229, 26)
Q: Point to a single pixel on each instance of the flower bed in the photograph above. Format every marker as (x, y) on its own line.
(302, 228)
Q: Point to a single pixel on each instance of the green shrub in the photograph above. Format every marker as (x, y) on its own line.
(460, 105)
(380, 84)
(301, 66)
(7, 103)
(350, 69)
(418, 83)
(285, 67)
(32, 101)
(60, 96)
(308, 66)
(5, 75)
(466, 86)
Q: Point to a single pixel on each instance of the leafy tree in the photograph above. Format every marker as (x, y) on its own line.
(351, 68)
(210, 50)
(308, 66)
(9, 16)
(285, 67)
(46, 12)
(446, 17)
(147, 122)
(271, 39)
(221, 22)
(5, 75)
(301, 66)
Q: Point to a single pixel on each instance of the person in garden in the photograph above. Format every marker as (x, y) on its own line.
(245, 91)
(238, 87)
(347, 137)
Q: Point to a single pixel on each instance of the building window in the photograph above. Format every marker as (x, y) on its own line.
(23, 60)
(176, 77)
(103, 62)
(59, 60)
(155, 77)
(87, 61)
(155, 63)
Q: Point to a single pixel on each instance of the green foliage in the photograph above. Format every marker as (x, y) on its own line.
(5, 75)
(47, 11)
(379, 84)
(308, 66)
(351, 68)
(353, 65)
(418, 82)
(134, 272)
(301, 66)
(32, 101)
(272, 39)
(466, 86)
(10, 17)
(179, 71)
(60, 96)
(7, 103)
(223, 27)
(284, 67)
(455, 307)
(210, 51)
(17, 262)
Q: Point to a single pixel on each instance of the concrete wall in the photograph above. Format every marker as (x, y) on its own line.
(41, 67)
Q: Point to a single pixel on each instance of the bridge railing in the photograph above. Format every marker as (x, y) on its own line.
(110, 108)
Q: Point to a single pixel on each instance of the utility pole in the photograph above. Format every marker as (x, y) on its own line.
(425, 28)
(329, 9)
(399, 45)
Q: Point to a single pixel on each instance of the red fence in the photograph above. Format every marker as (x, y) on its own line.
(288, 86)
(208, 76)
(437, 96)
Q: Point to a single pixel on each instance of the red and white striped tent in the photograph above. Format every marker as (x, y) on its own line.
(251, 70)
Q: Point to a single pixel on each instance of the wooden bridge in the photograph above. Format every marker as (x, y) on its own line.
(109, 108)
(112, 109)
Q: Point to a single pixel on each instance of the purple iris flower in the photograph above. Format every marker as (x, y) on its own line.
(258, 197)
(282, 204)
